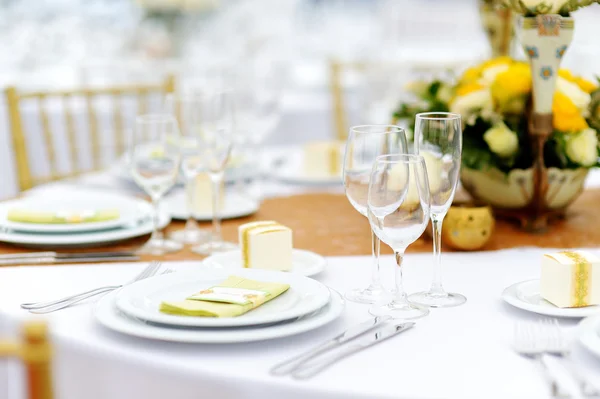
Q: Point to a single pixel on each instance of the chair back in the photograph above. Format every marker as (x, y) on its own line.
(112, 99)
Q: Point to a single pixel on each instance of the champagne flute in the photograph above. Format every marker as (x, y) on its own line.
(154, 160)
(186, 110)
(399, 206)
(365, 143)
(438, 138)
(216, 137)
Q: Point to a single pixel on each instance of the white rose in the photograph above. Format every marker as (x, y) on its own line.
(583, 147)
(555, 5)
(580, 98)
(488, 75)
(501, 140)
(469, 104)
(445, 93)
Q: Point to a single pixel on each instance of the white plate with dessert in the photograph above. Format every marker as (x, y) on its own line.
(143, 299)
(320, 163)
(107, 315)
(569, 286)
(268, 245)
(234, 205)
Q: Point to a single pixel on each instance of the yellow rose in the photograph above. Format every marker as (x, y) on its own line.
(582, 148)
(578, 97)
(566, 116)
(489, 74)
(470, 75)
(504, 60)
(512, 83)
(585, 85)
(501, 140)
(467, 88)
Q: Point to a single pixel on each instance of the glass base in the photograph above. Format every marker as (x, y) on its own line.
(404, 311)
(445, 300)
(191, 236)
(367, 295)
(212, 247)
(159, 246)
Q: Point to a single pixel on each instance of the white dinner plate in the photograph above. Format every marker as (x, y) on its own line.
(142, 299)
(107, 315)
(526, 295)
(292, 172)
(233, 174)
(129, 209)
(235, 206)
(303, 262)
(86, 239)
(588, 333)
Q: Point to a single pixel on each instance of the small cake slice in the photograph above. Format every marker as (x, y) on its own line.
(266, 245)
(570, 279)
(323, 159)
(201, 191)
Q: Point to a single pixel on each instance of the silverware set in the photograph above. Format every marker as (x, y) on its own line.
(51, 306)
(544, 343)
(359, 337)
(38, 258)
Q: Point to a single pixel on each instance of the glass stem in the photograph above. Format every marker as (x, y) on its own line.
(436, 284)
(400, 294)
(191, 225)
(216, 179)
(156, 235)
(375, 248)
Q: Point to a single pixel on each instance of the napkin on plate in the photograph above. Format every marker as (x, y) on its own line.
(62, 217)
(233, 297)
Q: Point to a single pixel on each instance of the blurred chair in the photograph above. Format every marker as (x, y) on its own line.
(35, 352)
(15, 101)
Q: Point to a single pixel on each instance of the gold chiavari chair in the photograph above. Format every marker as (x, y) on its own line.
(35, 352)
(16, 99)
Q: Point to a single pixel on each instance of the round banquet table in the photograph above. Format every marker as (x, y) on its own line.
(461, 352)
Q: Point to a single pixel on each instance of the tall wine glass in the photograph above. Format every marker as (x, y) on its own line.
(438, 138)
(399, 206)
(186, 109)
(365, 144)
(154, 160)
(216, 138)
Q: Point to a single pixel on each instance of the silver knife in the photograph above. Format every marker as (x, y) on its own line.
(51, 260)
(66, 255)
(289, 365)
(311, 369)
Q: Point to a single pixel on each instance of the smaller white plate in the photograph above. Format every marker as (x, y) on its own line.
(588, 333)
(303, 262)
(526, 295)
(142, 299)
(107, 315)
(235, 206)
(292, 172)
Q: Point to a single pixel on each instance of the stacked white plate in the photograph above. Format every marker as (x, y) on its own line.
(134, 310)
(135, 219)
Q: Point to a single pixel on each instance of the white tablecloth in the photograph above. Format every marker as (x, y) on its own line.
(461, 352)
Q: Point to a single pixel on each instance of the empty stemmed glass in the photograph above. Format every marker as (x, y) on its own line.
(216, 137)
(154, 158)
(365, 144)
(399, 206)
(438, 138)
(187, 110)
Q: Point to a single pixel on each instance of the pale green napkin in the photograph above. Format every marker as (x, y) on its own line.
(204, 308)
(44, 217)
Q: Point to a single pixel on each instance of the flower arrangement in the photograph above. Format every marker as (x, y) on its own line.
(494, 100)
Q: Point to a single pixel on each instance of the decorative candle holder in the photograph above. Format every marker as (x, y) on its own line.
(497, 23)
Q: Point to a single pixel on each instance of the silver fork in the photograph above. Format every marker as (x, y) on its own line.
(51, 306)
(558, 346)
(532, 341)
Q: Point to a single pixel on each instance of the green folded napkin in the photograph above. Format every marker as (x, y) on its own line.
(44, 217)
(233, 297)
